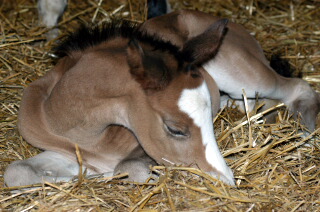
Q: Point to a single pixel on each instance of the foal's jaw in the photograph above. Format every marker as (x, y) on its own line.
(196, 103)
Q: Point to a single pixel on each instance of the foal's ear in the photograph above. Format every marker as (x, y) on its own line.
(136, 61)
(134, 55)
(205, 46)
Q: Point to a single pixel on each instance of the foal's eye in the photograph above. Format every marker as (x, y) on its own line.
(176, 132)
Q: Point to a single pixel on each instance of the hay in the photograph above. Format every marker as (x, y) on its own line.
(275, 168)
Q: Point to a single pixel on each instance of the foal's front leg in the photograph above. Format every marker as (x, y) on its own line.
(137, 165)
(47, 166)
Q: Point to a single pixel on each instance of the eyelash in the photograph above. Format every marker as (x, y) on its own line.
(174, 132)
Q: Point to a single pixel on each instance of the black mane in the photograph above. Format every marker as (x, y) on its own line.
(89, 36)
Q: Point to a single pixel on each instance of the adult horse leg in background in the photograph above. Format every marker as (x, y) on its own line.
(50, 11)
(158, 8)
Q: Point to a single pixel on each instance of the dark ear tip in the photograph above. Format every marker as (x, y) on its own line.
(133, 42)
(219, 25)
(223, 22)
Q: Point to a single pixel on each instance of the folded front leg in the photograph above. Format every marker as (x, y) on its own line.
(47, 166)
(137, 165)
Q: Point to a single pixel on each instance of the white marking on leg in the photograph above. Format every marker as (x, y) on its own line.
(197, 104)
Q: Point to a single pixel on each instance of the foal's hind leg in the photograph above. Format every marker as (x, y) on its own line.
(259, 78)
(252, 104)
(137, 165)
(47, 166)
(300, 98)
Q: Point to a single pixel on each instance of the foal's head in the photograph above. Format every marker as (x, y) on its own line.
(173, 122)
(185, 98)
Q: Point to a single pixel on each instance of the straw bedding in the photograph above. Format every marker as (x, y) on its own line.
(276, 168)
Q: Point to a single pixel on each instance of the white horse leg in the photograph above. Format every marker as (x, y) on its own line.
(226, 101)
(50, 11)
(270, 117)
(47, 166)
(301, 98)
(264, 81)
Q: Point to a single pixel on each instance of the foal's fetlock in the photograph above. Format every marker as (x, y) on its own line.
(304, 101)
(19, 173)
(308, 109)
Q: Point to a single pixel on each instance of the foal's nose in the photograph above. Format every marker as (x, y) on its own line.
(196, 103)
(215, 160)
(227, 177)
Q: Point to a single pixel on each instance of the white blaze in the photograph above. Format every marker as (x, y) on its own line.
(197, 104)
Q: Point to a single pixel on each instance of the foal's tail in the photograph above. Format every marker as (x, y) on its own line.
(282, 66)
(158, 7)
